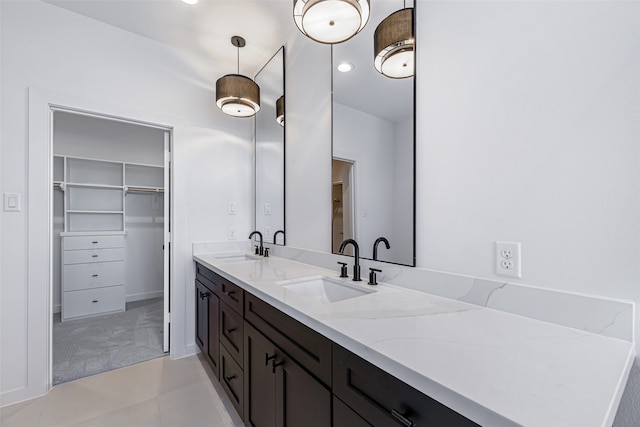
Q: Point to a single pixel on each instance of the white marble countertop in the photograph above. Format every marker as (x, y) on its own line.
(496, 368)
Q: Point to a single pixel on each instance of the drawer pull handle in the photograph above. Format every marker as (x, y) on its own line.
(267, 358)
(404, 420)
(204, 295)
(94, 301)
(228, 379)
(94, 275)
(228, 331)
(94, 256)
(229, 293)
(275, 364)
(95, 242)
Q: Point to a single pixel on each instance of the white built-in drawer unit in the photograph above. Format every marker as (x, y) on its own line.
(92, 275)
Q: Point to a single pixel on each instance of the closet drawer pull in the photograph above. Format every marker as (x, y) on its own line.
(94, 256)
(94, 275)
(94, 242)
(94, 301)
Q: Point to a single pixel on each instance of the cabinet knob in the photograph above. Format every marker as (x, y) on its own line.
(229, 378)
(204, 295)
(228, 331)
(229, 293)
(403, 419)
(275, 364)
(267, 358)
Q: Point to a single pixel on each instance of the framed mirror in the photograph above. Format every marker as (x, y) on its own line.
(269, 146)
(373, 167)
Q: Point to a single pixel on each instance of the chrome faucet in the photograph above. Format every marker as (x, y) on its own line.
(375, 246)
(356, 266)
(275, 235)
(261, 250)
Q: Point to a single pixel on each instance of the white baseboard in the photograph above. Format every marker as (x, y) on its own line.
(144, 295)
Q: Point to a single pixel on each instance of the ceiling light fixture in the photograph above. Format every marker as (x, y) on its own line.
(393, 45)
(280, 111)
(190, 1)
(237, 95)
(330, 21)
(345, 67)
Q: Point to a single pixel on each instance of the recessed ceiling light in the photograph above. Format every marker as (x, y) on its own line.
(345, 67)
(190, 1)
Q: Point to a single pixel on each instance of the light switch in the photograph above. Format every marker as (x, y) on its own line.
(233, 208)
(267, 232)
(12, 202)
(267, 208)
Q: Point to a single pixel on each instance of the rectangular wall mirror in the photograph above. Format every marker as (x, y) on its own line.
(269, 148)
(373, 167)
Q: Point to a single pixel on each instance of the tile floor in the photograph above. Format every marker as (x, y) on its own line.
(161, 392)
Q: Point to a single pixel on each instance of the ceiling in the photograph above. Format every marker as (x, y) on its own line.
(205, 29)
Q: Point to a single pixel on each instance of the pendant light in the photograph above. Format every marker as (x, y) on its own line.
(330, 21)
(237, 95)
(280, 111)
(393, 45)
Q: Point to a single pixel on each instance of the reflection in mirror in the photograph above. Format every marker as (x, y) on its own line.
(373, 149)
(269, 151)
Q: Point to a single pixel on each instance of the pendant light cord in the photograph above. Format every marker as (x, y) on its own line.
(238, 50)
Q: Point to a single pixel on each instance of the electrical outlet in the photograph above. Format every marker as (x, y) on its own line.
(267, 232)
(267, 208)
(232, 233)
(508, 259)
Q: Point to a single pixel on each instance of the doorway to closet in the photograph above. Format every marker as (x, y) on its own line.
(110, 224)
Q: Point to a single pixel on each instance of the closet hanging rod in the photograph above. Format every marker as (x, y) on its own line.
(145, 190)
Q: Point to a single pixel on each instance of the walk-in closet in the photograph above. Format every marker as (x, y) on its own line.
(110, 254)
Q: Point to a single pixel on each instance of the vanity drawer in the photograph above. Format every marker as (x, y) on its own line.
(309, 348)
(384, 400)
(89, 302)
(93, 255)
(208, 278)
(232, 332)
(93, 275)
(232, 379)
(231, 294)
(92, 242)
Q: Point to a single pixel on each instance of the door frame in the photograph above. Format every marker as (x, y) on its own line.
(40, 212)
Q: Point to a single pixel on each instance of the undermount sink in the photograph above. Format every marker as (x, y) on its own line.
(236, 257)
(325, 289)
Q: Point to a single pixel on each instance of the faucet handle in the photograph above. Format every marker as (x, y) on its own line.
(372, 276)
(343, 269)
(266, 252)
(257, 251)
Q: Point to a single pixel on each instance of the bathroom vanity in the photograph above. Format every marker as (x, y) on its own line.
(293, 344)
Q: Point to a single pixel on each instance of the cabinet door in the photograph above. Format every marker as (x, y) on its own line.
(207, 306)
(301, 400)
(343, 416)
(259, 379)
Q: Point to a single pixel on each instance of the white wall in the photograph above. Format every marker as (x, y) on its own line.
(50, 48)
(527, 130)
(367, 141)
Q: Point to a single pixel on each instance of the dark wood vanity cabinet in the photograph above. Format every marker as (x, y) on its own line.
(280, 392)
(383, 400)
(207, 315)
(278, 372)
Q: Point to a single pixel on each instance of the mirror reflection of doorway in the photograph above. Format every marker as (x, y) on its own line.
(110, 281)
(342, 223)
